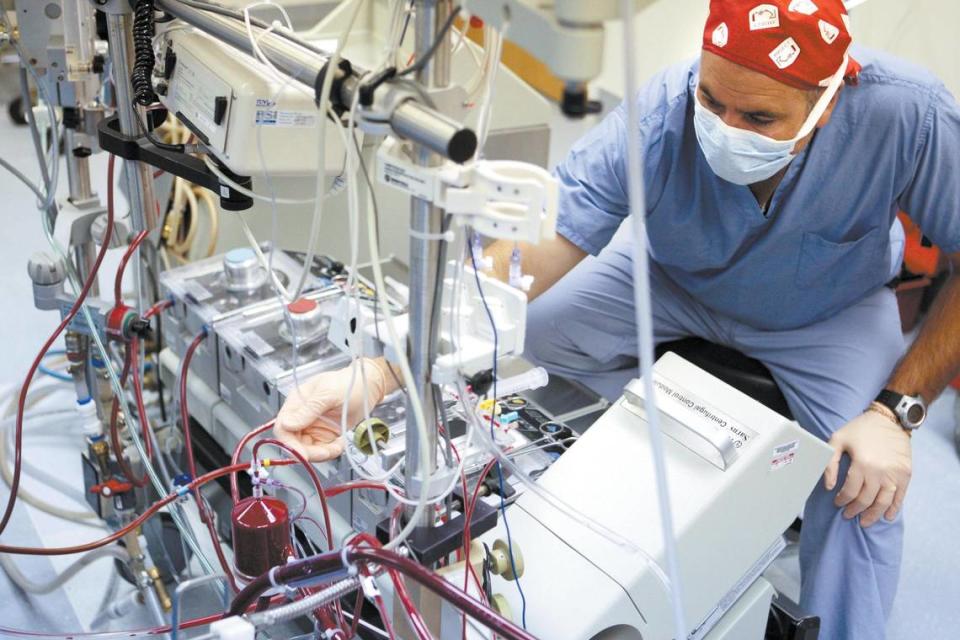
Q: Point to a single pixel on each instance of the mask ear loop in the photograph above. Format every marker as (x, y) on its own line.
(821, 107)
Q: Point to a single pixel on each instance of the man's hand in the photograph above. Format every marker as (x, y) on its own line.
(309, 420)
(880, 467)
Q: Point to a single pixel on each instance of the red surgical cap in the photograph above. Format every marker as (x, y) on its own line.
(801, 43)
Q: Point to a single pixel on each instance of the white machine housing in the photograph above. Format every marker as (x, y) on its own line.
(728, 521)
(226, 98)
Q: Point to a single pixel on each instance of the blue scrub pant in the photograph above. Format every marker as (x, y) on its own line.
(584, 328)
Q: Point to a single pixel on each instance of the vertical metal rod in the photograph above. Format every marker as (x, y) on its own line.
(425, 260)
(137, 175)
(78, 168)
(81, 191)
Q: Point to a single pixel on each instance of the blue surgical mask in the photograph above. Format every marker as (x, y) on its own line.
(746, 157)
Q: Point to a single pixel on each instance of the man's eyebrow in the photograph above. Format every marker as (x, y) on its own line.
(707, 93)
(761, 114)
(753, 113)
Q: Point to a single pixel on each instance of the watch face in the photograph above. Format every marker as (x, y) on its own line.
(915, 414)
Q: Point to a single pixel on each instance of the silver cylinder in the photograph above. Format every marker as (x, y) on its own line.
(409, 120)
(426, 263)
(78, 168)
(242, 271)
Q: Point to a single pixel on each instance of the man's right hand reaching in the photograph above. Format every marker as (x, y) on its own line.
(309, 420)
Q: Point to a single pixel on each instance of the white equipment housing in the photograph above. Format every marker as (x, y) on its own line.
(226, 97)
(728, 521)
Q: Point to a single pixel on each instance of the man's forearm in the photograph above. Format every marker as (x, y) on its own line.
(934, 358)
(547, 262)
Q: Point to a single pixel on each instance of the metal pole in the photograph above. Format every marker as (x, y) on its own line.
(136, 175)
(426, 261)
(78, 178)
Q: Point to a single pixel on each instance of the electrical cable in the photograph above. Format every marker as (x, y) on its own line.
(392, 334)
(142, 73)
(493, 413)
(323, 105)
(429, 53)
(644, 316)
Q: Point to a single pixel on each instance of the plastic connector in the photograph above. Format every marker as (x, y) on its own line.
(234, 628)
(484, 263)
(517, 279)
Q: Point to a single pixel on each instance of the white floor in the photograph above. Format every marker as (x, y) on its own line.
(930, 585)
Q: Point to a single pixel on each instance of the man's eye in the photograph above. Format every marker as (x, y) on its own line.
(759, 120)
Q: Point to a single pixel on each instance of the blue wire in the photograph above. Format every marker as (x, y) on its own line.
(55, 374)
(55, 352)
(493, 413)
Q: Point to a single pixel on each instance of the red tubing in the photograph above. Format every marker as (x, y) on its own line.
(25, 388)
(446, 590)
(119, 533)
(115, 433)
(118, 280)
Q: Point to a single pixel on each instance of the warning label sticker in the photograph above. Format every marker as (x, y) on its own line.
(784, 455)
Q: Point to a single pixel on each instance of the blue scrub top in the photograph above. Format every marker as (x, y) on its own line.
(893, 143)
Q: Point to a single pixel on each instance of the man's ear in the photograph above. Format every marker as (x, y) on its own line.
(825, 118)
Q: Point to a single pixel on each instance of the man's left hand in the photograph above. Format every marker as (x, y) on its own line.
(880, 467)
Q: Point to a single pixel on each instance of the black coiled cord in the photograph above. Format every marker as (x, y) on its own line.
(143, 32)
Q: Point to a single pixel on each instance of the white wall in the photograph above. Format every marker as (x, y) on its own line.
(922, 31)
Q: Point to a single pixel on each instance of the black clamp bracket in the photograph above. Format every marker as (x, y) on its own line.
(182, 165)
(430, 544)
(343, 71)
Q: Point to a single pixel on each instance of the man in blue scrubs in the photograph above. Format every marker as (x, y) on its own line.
(774, 168)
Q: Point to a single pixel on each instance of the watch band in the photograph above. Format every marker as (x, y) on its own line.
(889, 399)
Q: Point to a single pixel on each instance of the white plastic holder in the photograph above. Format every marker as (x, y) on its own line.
(474, 348)
(502, 199)
(233, 628)
(345, 331)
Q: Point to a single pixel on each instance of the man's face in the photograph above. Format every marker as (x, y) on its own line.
(750, 100)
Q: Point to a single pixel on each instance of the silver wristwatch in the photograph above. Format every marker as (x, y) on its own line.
(911, 411)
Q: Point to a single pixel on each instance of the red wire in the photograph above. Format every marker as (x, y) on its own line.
(205, 517)
(234, 488)
(118, 281)
(437, 584)
(134, 347)
(318, 485)
(417, 623)
(185, 413)
(354, 485)
(25, 388)
(163, 305)
(468, 515)
(357, 611)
